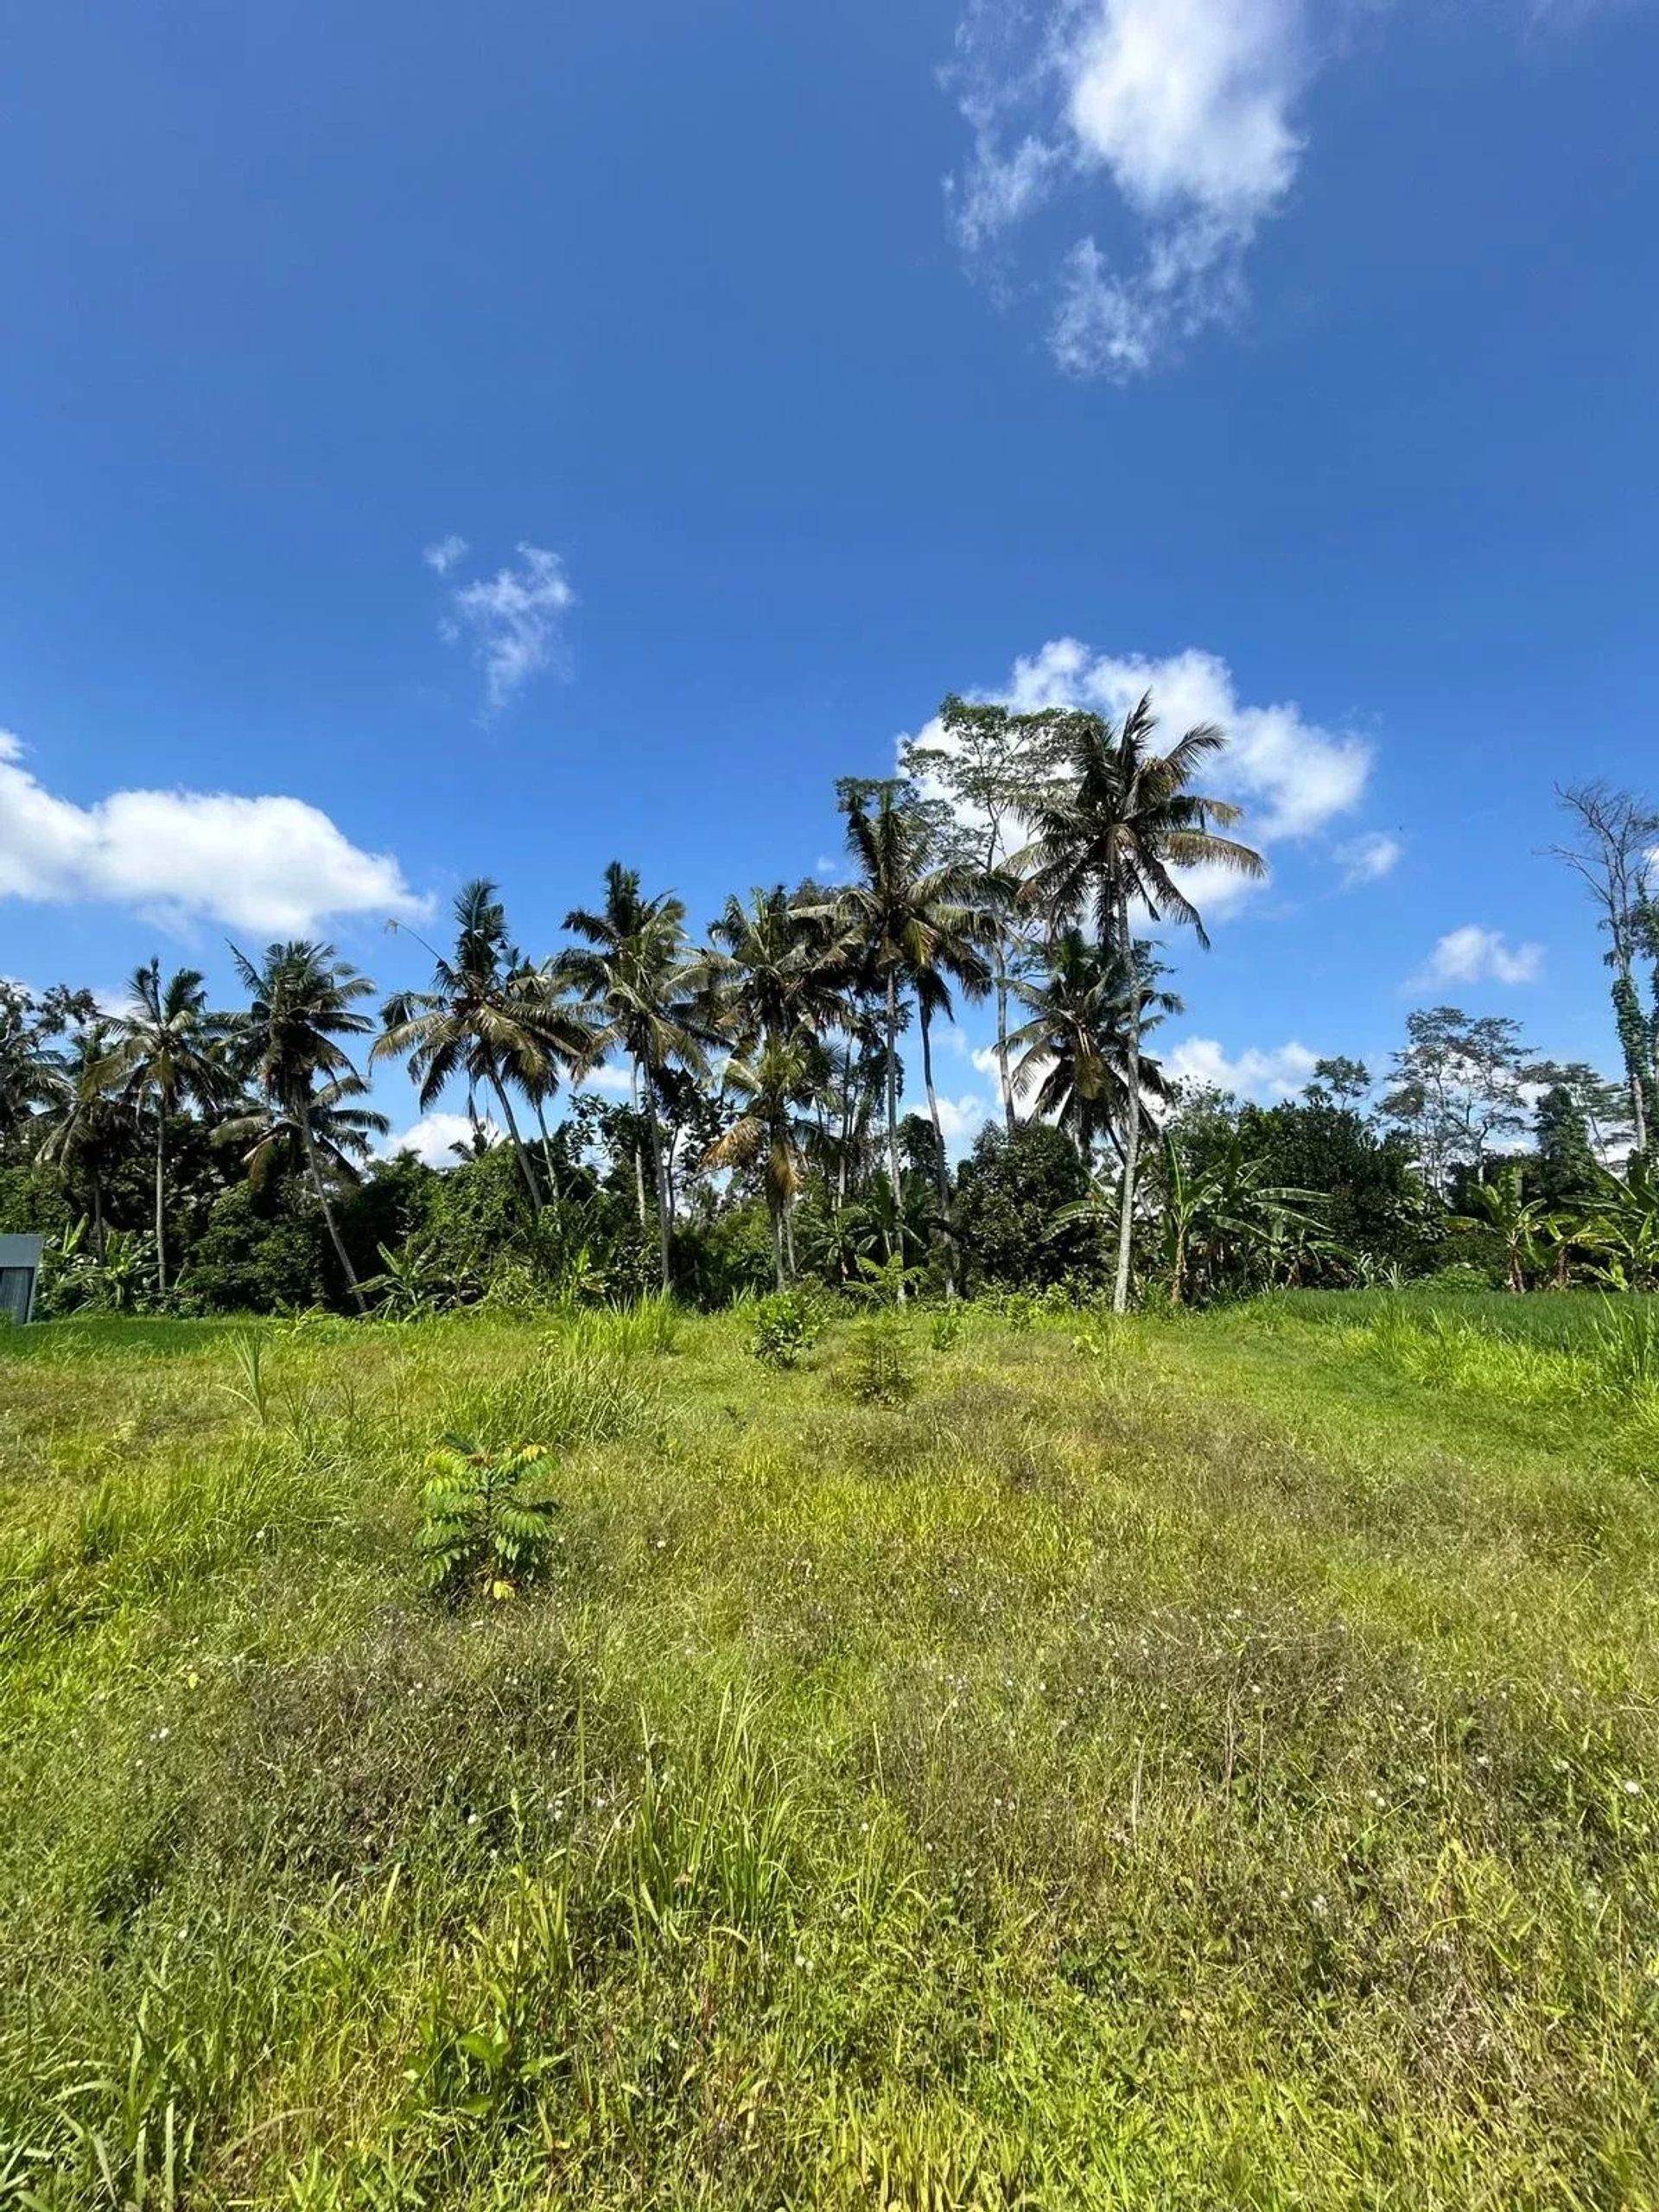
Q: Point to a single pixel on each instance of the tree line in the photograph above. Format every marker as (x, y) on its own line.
(191, 1157)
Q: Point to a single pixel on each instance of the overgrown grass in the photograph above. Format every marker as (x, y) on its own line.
(1162, 1762)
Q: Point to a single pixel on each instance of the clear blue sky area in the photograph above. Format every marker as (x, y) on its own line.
(782, 368)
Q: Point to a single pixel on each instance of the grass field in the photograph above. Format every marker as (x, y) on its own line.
(1164, 1763)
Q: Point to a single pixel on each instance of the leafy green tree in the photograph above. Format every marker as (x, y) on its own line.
(990, 765)
(915, 922)
(649, 997)
(168, 1048)
(1500, 1205)
(1459, 1085)
(1010, 1191)
(1338, 1080)
(1107, 834)
(487, 1018)
(84, 1127)
(1613, 855)
(1563, 1171)
(305, 1000)
(776, 1083)
(1073, 1047)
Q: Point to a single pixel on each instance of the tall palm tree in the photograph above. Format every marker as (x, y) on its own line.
(167, 1048)
(1072, 1048)
(915, 922)
(776, 1083)
(1109, 834)
(305, 999)
(648, 998)
(83, 1122)
(487, 1016)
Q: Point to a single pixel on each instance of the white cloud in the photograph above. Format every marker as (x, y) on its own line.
(273, 866)
(1368, 859)
(1292, 776)
(432, 1137)
(616, 1081)
(444, 552)
(515, 619)
(960, 1119)
(1263, 1076)
(1474, 955)
(1186, 105)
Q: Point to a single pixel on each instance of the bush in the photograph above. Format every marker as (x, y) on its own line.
(880, 1370)
(946, 1327)
(484, 1530)
(785, 1325)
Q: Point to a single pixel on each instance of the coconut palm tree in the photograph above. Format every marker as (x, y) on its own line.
(487, 1016)
(305, 999)
(777, 1085)
(83, 1123)
(912, 923)
(166, 1047)
(1108, 835)
(1072, 1047)
(647, 995)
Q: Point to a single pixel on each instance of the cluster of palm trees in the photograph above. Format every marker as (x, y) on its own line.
(793, 1011)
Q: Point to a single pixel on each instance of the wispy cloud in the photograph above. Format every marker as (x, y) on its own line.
(272, 865)
(1187, 107)
(444, 553)
(1475, 955)
(515, 619)
(1189, 111)
(1369, 859)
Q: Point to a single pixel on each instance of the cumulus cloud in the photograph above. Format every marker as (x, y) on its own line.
(1185, 107)
(1475, 955)
(1279, 1072)
(960, 1119)
(1368, 859)
(514, 618)
(271, 866)
(1291, 775)
(443, 553)
(433, 1137)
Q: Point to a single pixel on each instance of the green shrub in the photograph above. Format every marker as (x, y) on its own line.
(880, 1370)
(946, 1328)
(484, 1530)
(786, 1324)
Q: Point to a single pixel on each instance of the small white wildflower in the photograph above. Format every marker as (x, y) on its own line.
(1632, 1789)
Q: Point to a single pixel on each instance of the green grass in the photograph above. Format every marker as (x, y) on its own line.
(1205, 1762)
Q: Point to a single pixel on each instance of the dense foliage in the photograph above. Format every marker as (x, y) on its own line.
(193, 1158)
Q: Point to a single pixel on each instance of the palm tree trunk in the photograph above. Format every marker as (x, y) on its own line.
(639, 1157)
(547, 1152)
(659, 1174)
(161, 1197)
(893, 1105)
(321, 1188)
(940, 1177)
(1003, 1075)
(98, 1240)
(1131, 1109)
(524, 1167)
(777, 1213)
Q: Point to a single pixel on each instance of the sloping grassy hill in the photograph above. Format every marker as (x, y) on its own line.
(1203, 1763)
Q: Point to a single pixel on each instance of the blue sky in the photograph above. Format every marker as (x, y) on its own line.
(825, 360)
